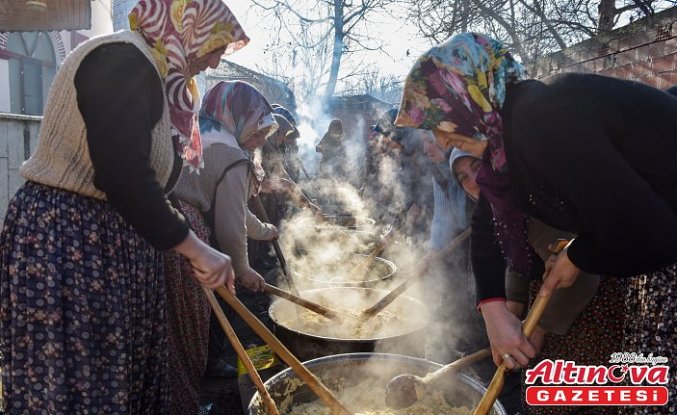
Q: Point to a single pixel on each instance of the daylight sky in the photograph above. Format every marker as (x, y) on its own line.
(397, 40)
(398, 36)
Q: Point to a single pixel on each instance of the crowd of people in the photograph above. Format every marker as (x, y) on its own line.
(135, 202)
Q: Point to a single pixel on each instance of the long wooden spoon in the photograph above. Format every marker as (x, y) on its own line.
(364, 265)
(405, 390)
(498, 380)
(311, 380)
(317, 308)
(426, 262)
(278, 251)
(241, 352)
(528, 327)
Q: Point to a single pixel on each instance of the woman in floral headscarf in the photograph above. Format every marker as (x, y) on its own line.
(574, 151)
(82, 300)
(235, 120)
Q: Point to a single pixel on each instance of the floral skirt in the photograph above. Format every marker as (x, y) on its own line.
(592, 338)
(188, 324)
(650, 327)
(82, 306)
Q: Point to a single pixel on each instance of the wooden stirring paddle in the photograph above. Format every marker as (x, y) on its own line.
(278, 251)
(317, 308)
(528, 327)
(262, 331)
(405, 390)
(241, 352)
(363, 266)
(498, 380)
(425, 264)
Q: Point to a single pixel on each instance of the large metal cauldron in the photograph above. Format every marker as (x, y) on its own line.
(307, 345)
(347, 370)
(342, 222)
(312, 245)
(336, 271)
(349, 221)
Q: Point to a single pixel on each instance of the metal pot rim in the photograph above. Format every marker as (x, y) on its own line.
(415, 361)
(358, 284)
(343, 340)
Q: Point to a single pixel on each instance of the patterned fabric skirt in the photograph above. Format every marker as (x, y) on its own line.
(188, 318)
(651, 329)
(82, 307)
(592, 338)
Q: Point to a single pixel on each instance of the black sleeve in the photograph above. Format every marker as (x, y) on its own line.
(120, 98)
(487, 260)
(629, 229)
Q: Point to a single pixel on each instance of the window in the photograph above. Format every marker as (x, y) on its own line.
(32, 66)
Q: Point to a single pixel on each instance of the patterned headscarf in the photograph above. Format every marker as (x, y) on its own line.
(286, 128)
(459, 86)
(279, 109)
(178, 32)
(237, 107)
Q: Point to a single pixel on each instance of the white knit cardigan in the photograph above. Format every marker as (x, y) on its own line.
(62, 158)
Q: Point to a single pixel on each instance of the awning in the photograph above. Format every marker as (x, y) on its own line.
(29, 15)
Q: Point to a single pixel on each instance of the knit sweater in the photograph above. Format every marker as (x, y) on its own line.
(221, 191)
(62, 157)
(200, 190)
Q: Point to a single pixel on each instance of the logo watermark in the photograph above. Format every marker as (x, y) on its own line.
(630, 379)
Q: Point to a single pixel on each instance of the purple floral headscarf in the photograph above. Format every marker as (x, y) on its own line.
(459, 86)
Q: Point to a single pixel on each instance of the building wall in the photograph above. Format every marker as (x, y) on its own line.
(62, 41)
(18, 137)
(121, 9)
(102, 18)
(19, 133)
(644, 51)
(275, 91)
(4, 86)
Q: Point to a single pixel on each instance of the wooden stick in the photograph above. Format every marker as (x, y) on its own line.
(453, 367)
(378, 250)
(317, 308)
(364, 265)
(498, 380)
(528, 327)
(304, 200)
(241, 352)
(311, 380)
(278, 251)
(425, 263)
(304, 169)
(405, 390)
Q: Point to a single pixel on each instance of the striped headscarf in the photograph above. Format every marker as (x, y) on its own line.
(236, 107)
(178, 32)
(459, 86)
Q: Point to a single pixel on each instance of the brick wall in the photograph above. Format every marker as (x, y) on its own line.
(645, 51)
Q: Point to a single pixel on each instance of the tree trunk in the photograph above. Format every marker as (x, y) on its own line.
(607, 12)
(338, 49)
(462, 7)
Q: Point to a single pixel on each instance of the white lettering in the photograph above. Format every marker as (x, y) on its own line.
(560, 396)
